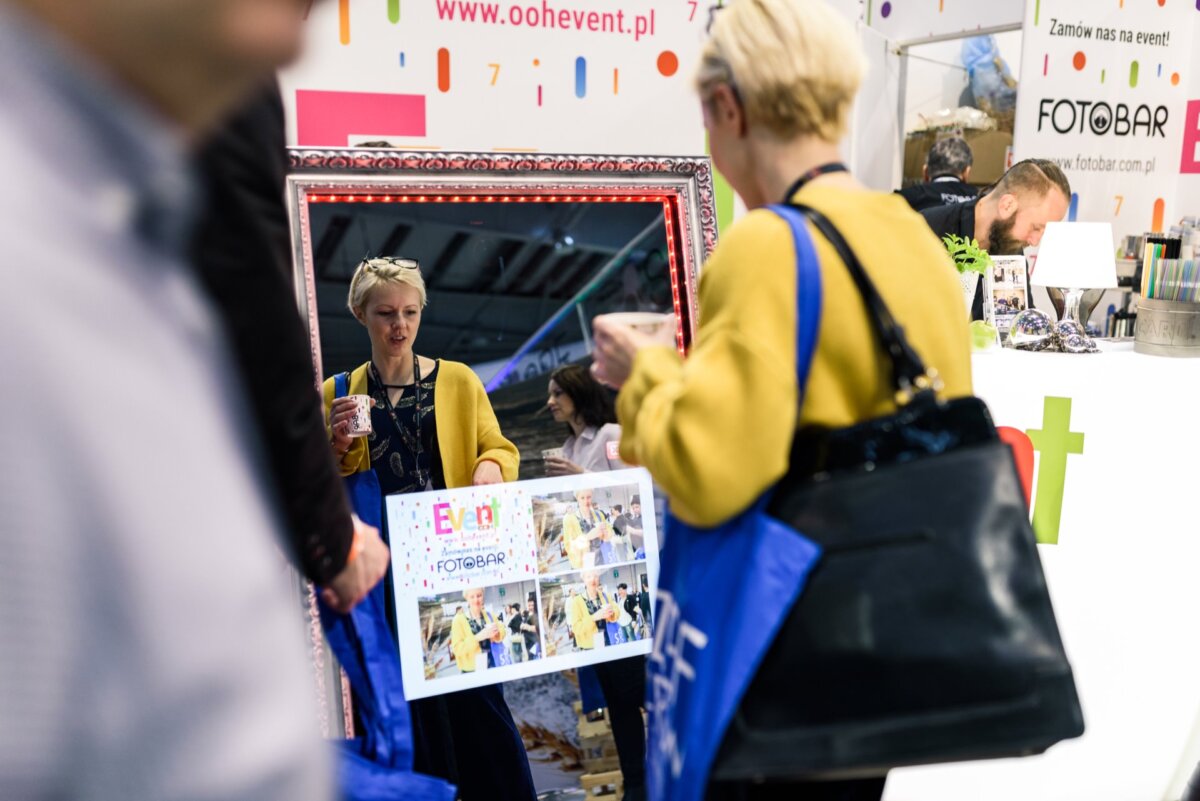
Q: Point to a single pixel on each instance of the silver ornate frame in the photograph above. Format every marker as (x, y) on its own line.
(687, 183)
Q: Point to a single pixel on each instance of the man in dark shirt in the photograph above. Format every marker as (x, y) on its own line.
(947, 169)
(514, 623)
(529, 627)
(242, 254)
(629, 525)
(1012, 215)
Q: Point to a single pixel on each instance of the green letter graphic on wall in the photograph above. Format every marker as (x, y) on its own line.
(1054, 442)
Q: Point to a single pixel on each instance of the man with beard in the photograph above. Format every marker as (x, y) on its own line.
(1011, 215)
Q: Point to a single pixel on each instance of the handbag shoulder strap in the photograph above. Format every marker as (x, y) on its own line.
(909, 374)
(341, 385)
(808, 292)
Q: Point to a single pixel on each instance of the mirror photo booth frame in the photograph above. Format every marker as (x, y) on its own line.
(682, 184)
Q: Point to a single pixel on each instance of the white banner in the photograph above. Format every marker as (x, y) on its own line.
(506, 581)
(578, 76)
(1112, 488)
(1107, 92)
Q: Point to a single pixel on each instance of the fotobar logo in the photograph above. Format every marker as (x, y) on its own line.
(1055, 441)
(1071, 117)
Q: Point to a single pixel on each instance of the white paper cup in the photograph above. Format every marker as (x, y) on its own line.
(360, 423)
(552, 453)
(650, 323)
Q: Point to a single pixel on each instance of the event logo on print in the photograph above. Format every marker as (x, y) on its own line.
(474, 518)
(1190, 162)
(1055, 441)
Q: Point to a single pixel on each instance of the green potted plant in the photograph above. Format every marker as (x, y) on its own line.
(971, 260)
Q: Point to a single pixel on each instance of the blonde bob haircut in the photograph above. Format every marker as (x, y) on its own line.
(372, 273)
(794, 64)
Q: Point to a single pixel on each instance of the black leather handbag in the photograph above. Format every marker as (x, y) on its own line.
(926, 632)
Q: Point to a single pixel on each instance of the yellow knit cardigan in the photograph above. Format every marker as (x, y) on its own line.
(467, 430)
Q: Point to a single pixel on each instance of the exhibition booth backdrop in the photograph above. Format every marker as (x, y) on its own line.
(1121, 78)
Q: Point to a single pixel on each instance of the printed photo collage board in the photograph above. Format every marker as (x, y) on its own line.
(501, 582)
(1006, 292)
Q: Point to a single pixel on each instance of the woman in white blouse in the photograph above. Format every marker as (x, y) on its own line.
(577, 399)
(586, 407)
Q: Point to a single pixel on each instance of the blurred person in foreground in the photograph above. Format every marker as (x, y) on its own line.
(946, 171)
(151, 644)
(777, 80)
(241, 249)
(1009, 216)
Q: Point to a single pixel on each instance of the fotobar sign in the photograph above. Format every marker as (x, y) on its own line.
(1070, 117)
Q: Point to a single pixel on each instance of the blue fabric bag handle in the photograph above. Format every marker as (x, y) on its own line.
(706, 653)
(378, 765)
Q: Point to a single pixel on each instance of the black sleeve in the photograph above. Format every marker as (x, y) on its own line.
(242, 254)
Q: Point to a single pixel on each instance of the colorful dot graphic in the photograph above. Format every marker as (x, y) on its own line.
(885, 10)
(443, 69)
(1073, 210)
(668, 63)
(394, 11)
(1080, 60)
(1133, 74)
(1175, 76)
(1156, 223)
(581, 77)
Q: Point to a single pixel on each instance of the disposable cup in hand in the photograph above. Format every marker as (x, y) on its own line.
(360, 423)
(552, 453)
(660, 327)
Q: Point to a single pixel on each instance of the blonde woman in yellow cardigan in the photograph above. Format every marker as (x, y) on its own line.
(589, 613)
(472, 633)
(588, 533)
(777, 80)
(433, 428)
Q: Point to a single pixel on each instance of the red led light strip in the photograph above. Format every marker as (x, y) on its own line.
(368, 198)
(669, 205)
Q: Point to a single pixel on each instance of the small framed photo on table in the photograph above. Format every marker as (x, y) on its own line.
(1005, 292)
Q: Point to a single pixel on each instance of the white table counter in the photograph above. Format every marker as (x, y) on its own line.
(1123, 575)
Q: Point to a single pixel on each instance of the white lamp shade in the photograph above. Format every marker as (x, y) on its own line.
(1076, 255)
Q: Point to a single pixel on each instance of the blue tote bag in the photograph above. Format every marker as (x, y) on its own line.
(377, 766)
(723, 594)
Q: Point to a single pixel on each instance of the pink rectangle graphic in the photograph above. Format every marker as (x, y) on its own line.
(328, 119)
(1190, 161)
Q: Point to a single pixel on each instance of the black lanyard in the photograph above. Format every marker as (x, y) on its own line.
(815, 172)
(417, 448)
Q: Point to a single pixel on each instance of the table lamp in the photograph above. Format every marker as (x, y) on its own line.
(1075, 257)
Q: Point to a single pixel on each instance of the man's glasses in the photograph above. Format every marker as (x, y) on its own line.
(395, 261)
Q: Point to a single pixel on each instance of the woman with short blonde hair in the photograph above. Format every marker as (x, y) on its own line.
(796, 66)
(777, 81)
(432, 428)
